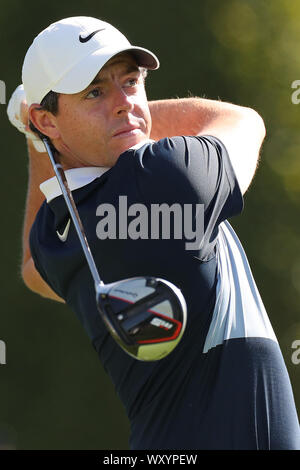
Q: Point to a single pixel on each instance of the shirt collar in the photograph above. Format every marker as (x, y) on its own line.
(78, 177)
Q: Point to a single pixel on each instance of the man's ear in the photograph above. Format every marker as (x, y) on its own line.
(43, 120)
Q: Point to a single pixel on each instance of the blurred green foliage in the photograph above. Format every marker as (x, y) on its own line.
(54, 393)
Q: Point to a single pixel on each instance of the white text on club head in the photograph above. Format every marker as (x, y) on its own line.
(161, 323)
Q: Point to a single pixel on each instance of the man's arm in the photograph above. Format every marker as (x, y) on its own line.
(241, 129)
(40, 169)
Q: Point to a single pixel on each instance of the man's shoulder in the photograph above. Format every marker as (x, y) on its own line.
(180, 144)
(168, 149)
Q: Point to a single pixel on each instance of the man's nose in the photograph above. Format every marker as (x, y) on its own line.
(122, 101)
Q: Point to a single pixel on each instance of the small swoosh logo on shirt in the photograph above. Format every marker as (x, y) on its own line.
(63, 236)
(87, 38)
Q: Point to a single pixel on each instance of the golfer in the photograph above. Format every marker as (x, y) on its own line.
(225, 385)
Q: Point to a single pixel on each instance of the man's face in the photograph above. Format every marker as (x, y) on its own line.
(111, 115)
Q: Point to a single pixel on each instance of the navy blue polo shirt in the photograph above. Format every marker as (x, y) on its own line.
(225, 386)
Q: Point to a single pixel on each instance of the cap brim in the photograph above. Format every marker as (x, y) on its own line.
(81, 75)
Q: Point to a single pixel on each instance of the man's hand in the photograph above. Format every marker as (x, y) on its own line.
(17, 111)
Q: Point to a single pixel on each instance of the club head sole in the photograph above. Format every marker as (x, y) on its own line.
(145, 315)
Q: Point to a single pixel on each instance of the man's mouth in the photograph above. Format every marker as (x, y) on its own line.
(127, 131)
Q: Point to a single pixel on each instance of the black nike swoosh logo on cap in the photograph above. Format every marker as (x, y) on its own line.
(87, 38)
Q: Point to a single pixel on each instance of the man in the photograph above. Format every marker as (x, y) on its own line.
(225, 386)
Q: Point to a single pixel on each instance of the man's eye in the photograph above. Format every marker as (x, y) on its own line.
(94, 93)
(132, 82)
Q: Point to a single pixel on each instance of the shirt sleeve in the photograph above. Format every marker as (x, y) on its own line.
(191, 170)
(38, 255)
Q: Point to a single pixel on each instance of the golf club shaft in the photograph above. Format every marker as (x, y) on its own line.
(62, 180)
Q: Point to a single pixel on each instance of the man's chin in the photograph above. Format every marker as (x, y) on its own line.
(130, 139)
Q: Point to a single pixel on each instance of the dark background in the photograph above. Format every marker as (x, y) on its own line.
(54, 393)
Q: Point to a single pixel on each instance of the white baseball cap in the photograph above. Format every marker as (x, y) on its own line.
(66, 56)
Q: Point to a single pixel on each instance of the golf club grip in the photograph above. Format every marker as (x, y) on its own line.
(67, 194)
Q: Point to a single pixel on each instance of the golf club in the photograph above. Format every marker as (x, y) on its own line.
(145, 315)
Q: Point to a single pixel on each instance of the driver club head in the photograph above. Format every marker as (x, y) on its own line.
(145, 315)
